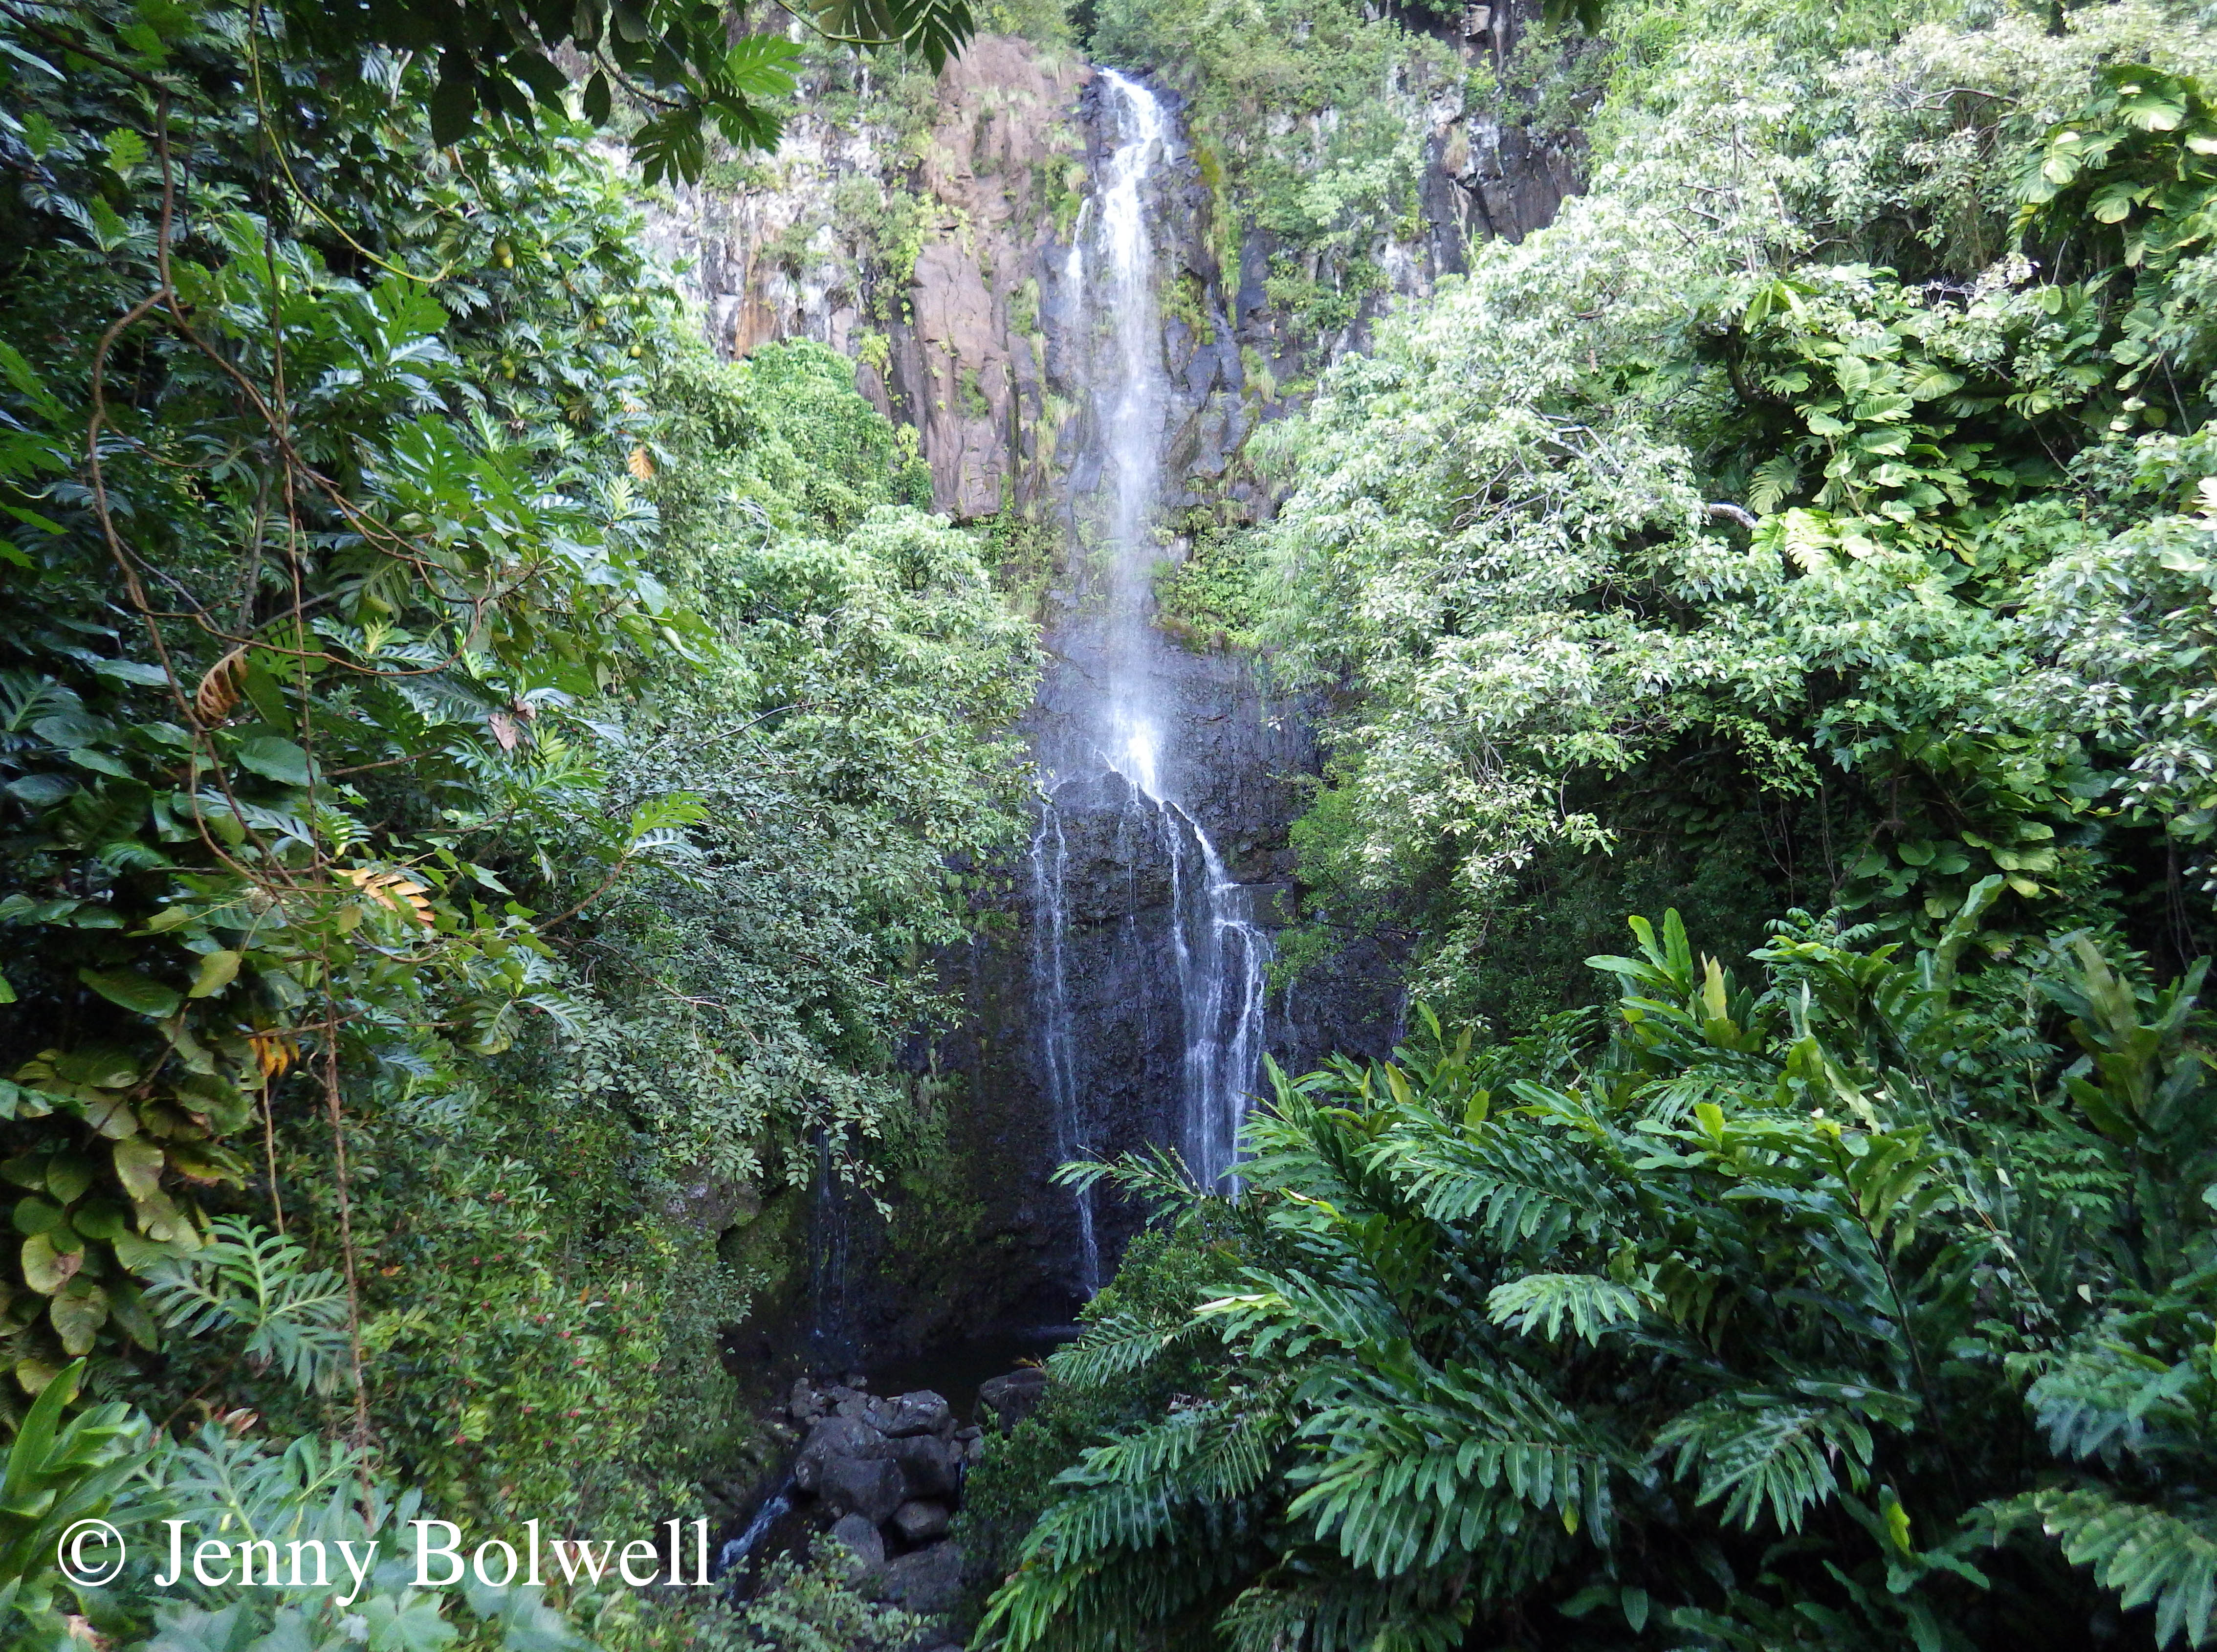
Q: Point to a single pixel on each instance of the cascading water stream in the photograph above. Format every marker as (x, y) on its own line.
(1216, 950)
(1051, 990)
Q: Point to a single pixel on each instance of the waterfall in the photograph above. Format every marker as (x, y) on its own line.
(1210, 942)
(1223, 1015)
(1050, 860)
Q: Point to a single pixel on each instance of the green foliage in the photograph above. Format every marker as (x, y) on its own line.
(482, 785)
(1141, 1350)
(1209, 600)
(1688, 535)
(810, 1608)
(1309, 123)
(57, 1473)
(677, 58)
(244, 1278)
(1727, 1328)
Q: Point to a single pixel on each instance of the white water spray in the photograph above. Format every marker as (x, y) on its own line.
(1216, 948)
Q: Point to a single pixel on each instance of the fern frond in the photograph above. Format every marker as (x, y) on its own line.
(1542, 1302)
(1286, 1316)
(2148, 1554)
(1517, 1185)
(1421, 1614)
(1759, 1451)
(246, 1278)
(2103, 1398)
(1118, 1345)
(1402, 1480)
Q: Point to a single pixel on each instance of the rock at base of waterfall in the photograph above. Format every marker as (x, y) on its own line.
(849, 1465)
(863, 1541)
(929, 1466)
(1015, 1396)
(870, 1486)
(833, 1439)
(855, 1465)
(919, 1522)
(804, 1403)
(921, 1413)
(928, 1581)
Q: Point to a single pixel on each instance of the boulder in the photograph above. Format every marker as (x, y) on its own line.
(929, 1466)
(1014, 1397)
(920, 1522)
(870, 1486)
(850, 1466)
(921, 1413)
(832, 1438)
(928, 1581)
(855, 1406)
(863, 1541)
(804, 1403)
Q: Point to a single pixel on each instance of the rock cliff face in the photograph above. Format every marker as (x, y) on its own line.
(939, 257)
(930, 255)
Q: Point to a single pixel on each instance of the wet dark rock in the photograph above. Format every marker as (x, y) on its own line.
(858, 1470)
(918, 1521)
(929, 1466)
(804, 1403)
(832, 1440)
(870, 1486)
(848, 1464)
(928, 1581)
(864, 1541)
(921, 1413)
(1012, 1398)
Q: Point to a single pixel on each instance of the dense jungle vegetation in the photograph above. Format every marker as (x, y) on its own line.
(485, 783)
(1810, 533)
(480, 775)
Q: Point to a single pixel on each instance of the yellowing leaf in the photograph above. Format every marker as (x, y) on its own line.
(273, 1052)
(47, 1270)
(218, 971)
(403, 894)
(77, 1315)
(219, 692)
(139, 1165)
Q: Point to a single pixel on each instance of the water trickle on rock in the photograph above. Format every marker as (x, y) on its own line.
(1118, 755)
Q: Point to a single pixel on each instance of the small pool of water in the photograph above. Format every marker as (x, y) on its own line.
(956, 1370)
